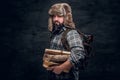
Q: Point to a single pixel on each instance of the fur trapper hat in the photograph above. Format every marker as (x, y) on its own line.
(61, 9)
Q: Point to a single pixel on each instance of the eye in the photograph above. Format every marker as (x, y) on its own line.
(54, 16)
(60, 16)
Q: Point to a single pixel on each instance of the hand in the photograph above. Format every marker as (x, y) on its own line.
(65, 67)
(55, 69)
(58, 69)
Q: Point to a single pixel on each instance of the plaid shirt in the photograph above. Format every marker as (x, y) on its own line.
(77, 49)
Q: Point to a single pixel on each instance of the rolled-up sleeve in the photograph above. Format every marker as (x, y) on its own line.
(76, 45)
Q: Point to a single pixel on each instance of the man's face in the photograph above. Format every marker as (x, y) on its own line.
(58, 19)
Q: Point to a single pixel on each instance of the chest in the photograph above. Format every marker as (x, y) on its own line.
(55, 42)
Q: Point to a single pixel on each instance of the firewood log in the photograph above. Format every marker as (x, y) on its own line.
(54, 57)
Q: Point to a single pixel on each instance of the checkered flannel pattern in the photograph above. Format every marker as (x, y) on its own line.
(76, 45)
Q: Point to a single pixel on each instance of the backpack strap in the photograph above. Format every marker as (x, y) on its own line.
(64, 40)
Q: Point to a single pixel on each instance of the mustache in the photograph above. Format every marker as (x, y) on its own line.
(56, 22)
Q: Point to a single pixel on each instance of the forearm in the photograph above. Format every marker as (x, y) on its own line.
(77, 54)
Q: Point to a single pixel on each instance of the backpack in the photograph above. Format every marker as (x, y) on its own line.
(87, 40)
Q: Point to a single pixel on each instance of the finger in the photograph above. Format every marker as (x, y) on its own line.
(50, 68)
(56, 71)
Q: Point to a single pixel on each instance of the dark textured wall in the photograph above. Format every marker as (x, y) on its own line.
(24, 36)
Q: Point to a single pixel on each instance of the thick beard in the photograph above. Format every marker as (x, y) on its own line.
(57, 28)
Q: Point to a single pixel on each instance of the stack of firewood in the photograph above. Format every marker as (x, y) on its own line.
(54, 57)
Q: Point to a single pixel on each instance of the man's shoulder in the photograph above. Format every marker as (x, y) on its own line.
(72, 32)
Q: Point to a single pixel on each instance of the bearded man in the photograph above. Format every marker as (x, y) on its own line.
(60, 19)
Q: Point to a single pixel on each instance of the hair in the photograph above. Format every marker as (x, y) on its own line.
(61, 9)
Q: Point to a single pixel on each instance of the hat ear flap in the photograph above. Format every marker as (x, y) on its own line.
(68, 17)
(68, 21)
(50, 24)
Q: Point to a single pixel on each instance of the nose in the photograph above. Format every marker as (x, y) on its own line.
(55, 18)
